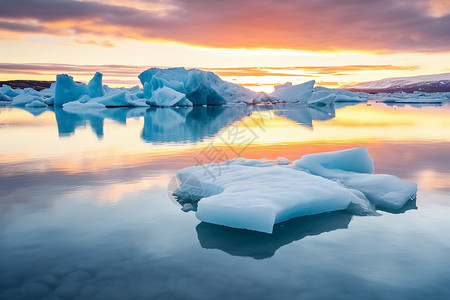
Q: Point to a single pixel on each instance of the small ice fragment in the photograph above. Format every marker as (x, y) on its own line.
(282, 161)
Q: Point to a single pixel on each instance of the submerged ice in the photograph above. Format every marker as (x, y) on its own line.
(256, 194)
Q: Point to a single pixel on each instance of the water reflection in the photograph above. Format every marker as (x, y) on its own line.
(68, 121)
(240, 242)
(87, 218)
(183, 124)
(162, 125)
(35, 111)
(299, 114)
(260, 245)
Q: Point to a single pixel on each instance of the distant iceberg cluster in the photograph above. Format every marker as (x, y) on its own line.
(411, 98)
(256, 194)
(175, 87)
(171, 87)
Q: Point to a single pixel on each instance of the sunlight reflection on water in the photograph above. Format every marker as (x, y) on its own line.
(84, 210)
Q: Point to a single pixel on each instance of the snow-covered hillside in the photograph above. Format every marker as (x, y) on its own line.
(426, 83)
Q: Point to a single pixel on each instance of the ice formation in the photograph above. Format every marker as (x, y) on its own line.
(8, 91)
(411, 98)
(24, 99)
(165, 96)
(272, 194)
(68, 90)
(199, 87)
(299, 93)
(174, 87)
(283, 161)
(342, 95)
(354, 168)
(4, 97)
(321, 98)
(307, 94)
(36, 103)
(256, 194)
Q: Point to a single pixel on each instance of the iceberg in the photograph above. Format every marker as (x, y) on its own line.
(25, 99)
(4, 97)
(307, 94)
(256, 194)
(412, 98)
(68, 90)
(165, 97)
(82, 106)
(283, 161)
(321, 98)
(8, 91)
(353, 168)
(299, 93)
(114, 100)
(341, 95)
(199, 87)
(95, 86)
(36, 103)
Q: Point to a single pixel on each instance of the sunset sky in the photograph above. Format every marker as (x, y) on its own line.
(257, 43)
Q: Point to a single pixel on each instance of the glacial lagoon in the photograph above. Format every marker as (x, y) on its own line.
(86, 209)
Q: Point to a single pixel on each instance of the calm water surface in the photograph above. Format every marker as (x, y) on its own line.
(86, 210)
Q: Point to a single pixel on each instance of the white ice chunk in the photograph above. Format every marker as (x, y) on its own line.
(165, 97)
(4, 97)
(49, 101)
(8, 91)
(256, 194)
(25, 99)
(138, 103)
(341, 95)
(49, 92)
(36, 103)
(321, 98)
(299, 93)
(114, 100)
(78, 105)
(353, 168)
(283, 161)
(282, 86)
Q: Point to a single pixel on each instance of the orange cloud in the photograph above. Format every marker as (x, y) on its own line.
(315, 25)
(95, 43)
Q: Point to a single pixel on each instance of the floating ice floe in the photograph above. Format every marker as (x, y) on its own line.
(256, 194)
